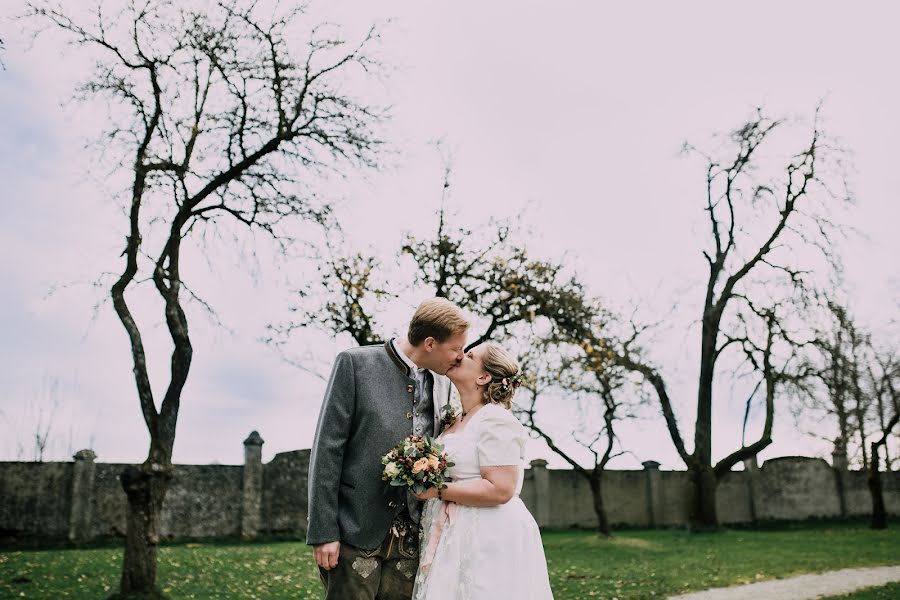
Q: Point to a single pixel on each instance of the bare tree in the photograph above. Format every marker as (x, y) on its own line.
(219, 120)
(884, 376)
(37, 425)
(489, 274)
(833, 368)
(581, 374)
(758, 228)
(346, 297)
(484, 271)
(44, 425)
(851, 380)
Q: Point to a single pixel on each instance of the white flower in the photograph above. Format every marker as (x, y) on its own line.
(391, 469)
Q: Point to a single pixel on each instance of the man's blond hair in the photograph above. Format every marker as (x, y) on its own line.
(438, 318)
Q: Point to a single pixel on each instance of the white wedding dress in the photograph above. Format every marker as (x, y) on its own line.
(491, 553)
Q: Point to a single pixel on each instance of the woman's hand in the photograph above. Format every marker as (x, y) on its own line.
(427, 494)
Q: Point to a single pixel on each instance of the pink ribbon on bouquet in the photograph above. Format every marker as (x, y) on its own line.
(445, 516)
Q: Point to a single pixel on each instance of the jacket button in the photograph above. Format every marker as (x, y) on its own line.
(392, 504)
(410, 388)
(409, 415)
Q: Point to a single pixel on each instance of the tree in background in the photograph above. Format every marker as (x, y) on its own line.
(485, 271)
(585, 376)
(759, 228)
(883, 376)
(493, 277)
(852, 380)
(221, 116)
(833, 367)
(345, 297)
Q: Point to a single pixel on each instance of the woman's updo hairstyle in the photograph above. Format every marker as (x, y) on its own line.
(505, 376)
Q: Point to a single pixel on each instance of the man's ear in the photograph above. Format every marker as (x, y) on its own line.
(429, 343)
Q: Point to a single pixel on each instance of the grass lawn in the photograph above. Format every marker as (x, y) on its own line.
(890, 591)
(633, 564)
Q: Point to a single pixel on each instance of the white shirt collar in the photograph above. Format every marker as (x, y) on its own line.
(414, 368)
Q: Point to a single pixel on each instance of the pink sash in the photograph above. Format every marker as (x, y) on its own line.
(445, 516)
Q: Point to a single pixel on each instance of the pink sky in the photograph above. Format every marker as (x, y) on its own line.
(577, 108)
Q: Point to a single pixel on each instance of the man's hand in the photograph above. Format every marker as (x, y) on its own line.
(327, 554)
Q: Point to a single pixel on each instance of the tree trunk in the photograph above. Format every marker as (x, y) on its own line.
(703, 506)
(841, 491)
(599, 508)
(879, 513)
(703, 515)
(145, 490)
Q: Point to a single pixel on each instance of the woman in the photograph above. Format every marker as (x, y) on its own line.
(479, 540)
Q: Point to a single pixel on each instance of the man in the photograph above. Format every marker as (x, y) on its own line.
(365, 532)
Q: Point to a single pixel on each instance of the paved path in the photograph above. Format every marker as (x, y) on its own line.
(802, 587)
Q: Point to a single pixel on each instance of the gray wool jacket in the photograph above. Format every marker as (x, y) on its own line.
(365, 413)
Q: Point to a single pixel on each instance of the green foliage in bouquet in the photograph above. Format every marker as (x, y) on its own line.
(418, 462)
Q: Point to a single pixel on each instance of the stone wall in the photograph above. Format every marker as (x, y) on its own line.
(35, 498)
(790, 488)
(284, 493)
(83, 500)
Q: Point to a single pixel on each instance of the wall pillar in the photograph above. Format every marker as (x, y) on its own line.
(82, 507)
(251, 509)
(752, 469)
(541, 491)
(653, 495)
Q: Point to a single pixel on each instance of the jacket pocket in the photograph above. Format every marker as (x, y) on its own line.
(408, 545)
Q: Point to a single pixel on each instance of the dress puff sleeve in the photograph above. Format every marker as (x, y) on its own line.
(501, 438)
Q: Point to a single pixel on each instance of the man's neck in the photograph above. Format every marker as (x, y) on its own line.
(412, 353)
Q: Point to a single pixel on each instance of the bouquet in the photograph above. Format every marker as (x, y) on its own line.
(418, 463)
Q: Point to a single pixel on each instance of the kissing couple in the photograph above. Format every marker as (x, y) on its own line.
(469, 539)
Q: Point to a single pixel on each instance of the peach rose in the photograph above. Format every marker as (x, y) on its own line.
(420, 465)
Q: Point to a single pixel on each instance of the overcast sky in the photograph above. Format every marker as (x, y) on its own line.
(575, 109)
